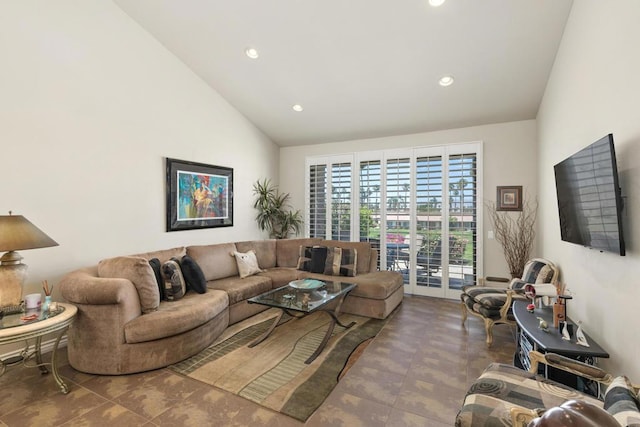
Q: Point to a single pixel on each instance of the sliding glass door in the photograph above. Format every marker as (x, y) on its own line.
(418, 207)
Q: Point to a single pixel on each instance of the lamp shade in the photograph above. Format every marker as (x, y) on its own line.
(18, 233)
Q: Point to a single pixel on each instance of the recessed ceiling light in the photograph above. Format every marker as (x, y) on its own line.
(445, 81)
(436, 3)
(251, 53)
(297, 107)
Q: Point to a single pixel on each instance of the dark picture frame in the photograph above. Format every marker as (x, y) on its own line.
(198, 195)
(509, 198)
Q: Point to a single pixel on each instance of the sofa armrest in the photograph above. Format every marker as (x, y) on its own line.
(569, 365)
(85, 287)
(105, 305)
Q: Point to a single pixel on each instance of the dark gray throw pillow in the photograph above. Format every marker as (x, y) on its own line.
(318, 259)
(157, 271)
(193, 275)
(312, 258)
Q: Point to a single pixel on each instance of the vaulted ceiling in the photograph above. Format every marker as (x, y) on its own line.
(364, 68)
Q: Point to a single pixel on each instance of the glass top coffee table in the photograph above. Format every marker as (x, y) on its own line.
(302, 297)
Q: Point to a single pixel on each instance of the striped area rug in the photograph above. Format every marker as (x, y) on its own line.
(273, 373)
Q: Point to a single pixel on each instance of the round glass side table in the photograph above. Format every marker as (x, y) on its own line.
(34, 324)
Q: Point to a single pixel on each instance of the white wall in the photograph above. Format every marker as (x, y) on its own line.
(594, 89)
(90, 105)
(510, 158)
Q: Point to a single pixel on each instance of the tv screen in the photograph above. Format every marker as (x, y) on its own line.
(589, 198)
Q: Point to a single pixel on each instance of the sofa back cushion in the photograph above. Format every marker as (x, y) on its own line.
(288, 250)
(164, 255)
(216, 261)
(139, 272)
(265, 251)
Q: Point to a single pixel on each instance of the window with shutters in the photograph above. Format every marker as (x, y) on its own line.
(417, 206)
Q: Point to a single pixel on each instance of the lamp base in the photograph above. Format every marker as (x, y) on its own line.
(12, 277)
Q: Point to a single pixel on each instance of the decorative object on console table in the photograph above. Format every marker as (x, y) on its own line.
(198, 195)
(551, 341)
(47, 296)
(17, 233)
(581, 339)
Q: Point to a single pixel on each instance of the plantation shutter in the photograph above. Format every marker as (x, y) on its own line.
(429, 177)
(341, 201)
(317, 204)
(463, 211)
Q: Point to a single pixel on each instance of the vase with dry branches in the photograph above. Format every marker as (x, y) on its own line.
(515, 231)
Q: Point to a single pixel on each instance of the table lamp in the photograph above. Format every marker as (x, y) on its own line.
(17, 233)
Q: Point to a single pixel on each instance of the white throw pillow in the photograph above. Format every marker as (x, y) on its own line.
(247, 263)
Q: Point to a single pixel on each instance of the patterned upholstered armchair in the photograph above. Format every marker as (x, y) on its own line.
(493, 303)
(504, 395)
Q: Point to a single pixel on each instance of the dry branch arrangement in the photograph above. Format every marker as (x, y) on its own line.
(516, 232)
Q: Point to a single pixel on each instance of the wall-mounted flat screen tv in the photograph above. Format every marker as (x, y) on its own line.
(589, 198)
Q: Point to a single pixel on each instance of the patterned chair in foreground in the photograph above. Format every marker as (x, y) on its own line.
(493, 304)
(508, 396)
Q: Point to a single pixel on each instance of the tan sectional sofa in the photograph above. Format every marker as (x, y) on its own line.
(112, 334)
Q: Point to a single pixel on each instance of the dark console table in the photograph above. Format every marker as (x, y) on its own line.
(531, 337)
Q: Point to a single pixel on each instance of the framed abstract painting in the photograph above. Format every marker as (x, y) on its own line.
(198, 195)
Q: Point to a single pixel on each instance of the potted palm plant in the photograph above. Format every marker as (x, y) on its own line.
(274, 213)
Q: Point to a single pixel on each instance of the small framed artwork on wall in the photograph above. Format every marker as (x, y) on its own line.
(198, 195)
(509, 198)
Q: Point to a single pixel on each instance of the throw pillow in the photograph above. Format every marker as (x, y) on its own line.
(545, 275)
(318, 258)
(332, 264)
(247, 263)
(312, 258)
(621, 402)
(193, 275)
(304, 258)
(174, 283)
(348, 262)
(139, 272)
(156, 265)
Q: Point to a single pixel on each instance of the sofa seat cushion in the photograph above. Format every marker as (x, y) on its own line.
(241, 289)
(489, 298)
(176, 317)
(489, 313)
(379, 285)
(280, 276)
(502, 387)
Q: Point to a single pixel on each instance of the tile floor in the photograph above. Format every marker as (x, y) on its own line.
(415, 373)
